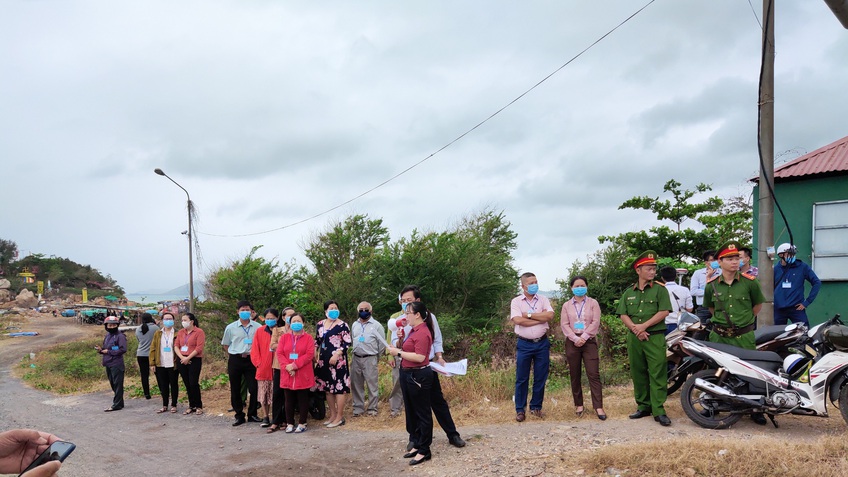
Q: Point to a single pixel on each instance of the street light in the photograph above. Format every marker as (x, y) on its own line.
(189, 233)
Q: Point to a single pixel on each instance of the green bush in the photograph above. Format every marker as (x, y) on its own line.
(613, 337)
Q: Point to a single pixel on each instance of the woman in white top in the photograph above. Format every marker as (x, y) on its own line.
(162, 362)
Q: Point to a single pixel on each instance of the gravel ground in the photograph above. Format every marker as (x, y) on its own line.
(136, 441)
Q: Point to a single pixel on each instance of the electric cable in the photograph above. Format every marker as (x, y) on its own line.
(461, 136)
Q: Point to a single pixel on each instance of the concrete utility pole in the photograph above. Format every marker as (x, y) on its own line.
(840, 9)
(765, 236)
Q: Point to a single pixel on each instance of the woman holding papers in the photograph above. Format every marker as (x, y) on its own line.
(416, 381)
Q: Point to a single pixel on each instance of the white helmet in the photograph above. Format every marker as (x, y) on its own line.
(794, 363)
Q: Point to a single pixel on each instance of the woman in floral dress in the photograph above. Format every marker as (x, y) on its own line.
(332, 337)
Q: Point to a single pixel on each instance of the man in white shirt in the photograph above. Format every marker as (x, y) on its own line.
(699, 281)
(681, 298)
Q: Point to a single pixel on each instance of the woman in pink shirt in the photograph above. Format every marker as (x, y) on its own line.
(580, 321)
(295, 352)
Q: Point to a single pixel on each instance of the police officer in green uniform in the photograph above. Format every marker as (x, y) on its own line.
(643, 309)
(734, 299)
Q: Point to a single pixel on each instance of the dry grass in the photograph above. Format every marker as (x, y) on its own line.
(758, 457)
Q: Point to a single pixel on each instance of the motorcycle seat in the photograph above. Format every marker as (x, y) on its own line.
(768, 360)
(768, 333)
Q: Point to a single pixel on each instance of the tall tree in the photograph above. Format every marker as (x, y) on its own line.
(8, 251)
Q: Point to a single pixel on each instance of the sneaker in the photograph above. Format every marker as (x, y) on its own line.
(300, 428)
(265, 423)
(289, 429)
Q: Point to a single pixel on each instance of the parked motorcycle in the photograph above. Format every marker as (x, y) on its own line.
(782, 339)
(747, 381)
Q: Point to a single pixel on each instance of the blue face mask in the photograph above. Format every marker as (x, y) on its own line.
(297, 327)
(533, 288)
(333, 314)
(364, 315)
(168, 323)
(579, 291)
(288, 319)
(790, 259)
(741, 263)
(244, 315)
(714, 264)
(271, 323)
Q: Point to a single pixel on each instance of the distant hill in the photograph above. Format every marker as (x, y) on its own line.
(181, 290)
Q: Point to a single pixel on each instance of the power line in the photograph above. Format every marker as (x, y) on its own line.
(449, 144)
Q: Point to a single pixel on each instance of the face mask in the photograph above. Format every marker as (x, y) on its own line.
(297, 327)
(364, 315)
(579, 291)
(271, 323)
(168, 323)
(714, 264)
(288, 319)
(741, 263)
(407, 307)
(112, 330)
(333, 314)
(533, 289)
(790, 259)
(186, 324)
(244, 315)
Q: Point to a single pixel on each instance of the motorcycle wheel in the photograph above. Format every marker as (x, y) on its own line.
(700, 406)
(843, 402)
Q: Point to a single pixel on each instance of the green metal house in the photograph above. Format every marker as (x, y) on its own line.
(813, 192)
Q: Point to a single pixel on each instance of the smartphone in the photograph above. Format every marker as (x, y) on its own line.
(58, 450)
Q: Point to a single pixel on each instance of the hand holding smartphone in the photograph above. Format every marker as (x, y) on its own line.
(58, 450)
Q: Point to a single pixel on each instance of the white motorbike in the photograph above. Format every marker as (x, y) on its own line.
(742, 382)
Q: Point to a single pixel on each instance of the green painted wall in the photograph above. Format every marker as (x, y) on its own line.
(797, 199)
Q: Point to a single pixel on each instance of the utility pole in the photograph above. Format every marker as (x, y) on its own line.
(840, 10)
(765, 236)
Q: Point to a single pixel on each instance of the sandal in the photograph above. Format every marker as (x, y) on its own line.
(187, 411)
(198, 411)
(580, 412)
(274, 428)
(164, 409)
(173, 409)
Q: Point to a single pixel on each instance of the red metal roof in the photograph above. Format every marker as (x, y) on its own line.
(830, 159)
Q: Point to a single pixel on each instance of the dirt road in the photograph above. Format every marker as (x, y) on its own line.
(136, 441)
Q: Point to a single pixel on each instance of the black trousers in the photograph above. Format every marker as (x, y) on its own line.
(417, 386)
(441, 409)
(144, 372)
(240, 369)
(166, 379)
(191, 379)
(300, 399)
(278, 401)
(115, 375)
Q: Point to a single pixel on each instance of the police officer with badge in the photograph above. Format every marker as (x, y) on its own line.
(643, 309)
(734, 299)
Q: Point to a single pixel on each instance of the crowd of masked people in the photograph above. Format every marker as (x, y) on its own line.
(276, 365)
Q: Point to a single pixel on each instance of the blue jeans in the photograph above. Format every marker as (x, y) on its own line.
(781, 315)
(539, 355)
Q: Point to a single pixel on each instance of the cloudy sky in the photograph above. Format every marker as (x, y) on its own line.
(270, 112)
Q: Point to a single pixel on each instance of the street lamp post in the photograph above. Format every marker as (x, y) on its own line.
(190, 234)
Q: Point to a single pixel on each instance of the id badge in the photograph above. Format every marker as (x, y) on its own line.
(248, 341)
(184, 348)
(362, 339)
(787, 285)
(579, 326)
(167, 349)
(293, 355)
(115, 348)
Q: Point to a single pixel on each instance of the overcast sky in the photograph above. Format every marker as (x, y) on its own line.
(269, 112)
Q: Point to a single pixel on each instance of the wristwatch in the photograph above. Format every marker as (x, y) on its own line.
(529, 315)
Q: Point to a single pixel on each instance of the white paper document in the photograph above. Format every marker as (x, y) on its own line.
(458, 368)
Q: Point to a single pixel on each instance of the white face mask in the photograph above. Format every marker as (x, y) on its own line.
(186, 324)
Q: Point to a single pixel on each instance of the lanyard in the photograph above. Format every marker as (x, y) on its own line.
(535, 302)
(167, 338)
(185, 338)
(580, 312)
(294, 342)
(246, 331)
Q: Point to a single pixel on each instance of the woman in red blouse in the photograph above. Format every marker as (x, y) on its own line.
(189, 350)
(295, 352)
(416, 379)
(580, 321)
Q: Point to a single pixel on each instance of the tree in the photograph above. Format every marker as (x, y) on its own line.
(265, 283)
(607, 272)
(343, 261)
(8, 252)
(720, 221)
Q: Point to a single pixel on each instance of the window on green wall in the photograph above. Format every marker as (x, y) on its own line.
(830, 240)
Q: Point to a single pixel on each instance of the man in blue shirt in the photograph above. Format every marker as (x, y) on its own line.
(789, 277)
(237, 341)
